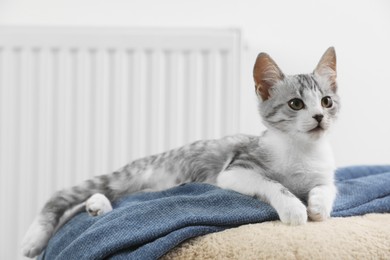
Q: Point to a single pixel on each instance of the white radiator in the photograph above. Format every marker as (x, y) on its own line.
(81, 102)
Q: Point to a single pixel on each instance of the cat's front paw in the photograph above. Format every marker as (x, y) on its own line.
(319, 204)
(98, 204)
(35, 239)
(293, 213)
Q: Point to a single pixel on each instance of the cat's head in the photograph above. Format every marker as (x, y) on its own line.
(304, 105)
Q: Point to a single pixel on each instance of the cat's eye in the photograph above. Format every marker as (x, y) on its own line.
(296, 104)
(327, 102)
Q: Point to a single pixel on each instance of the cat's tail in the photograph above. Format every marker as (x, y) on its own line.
(48, 221)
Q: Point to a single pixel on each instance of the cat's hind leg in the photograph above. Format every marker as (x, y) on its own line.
(97, 205)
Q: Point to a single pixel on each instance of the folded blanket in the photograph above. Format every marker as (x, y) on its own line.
(148, 225)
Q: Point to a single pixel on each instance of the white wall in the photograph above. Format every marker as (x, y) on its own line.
(294, 33)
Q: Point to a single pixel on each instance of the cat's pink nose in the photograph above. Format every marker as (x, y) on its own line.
(318, 117)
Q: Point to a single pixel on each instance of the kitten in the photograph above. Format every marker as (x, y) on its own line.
(288, 166)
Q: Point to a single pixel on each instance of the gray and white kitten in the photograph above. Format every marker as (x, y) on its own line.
(289, 166)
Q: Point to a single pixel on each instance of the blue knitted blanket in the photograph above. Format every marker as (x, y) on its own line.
(148, 225)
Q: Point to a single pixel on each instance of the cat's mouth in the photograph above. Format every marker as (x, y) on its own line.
(317, 129)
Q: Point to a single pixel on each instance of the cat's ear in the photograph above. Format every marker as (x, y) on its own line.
(266, 74)
(327, 67)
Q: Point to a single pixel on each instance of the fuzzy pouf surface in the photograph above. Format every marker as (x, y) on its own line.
(360, 237)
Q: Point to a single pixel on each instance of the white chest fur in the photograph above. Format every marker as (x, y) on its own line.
(298, 164)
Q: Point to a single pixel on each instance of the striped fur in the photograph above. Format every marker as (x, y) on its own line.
(290, 166)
